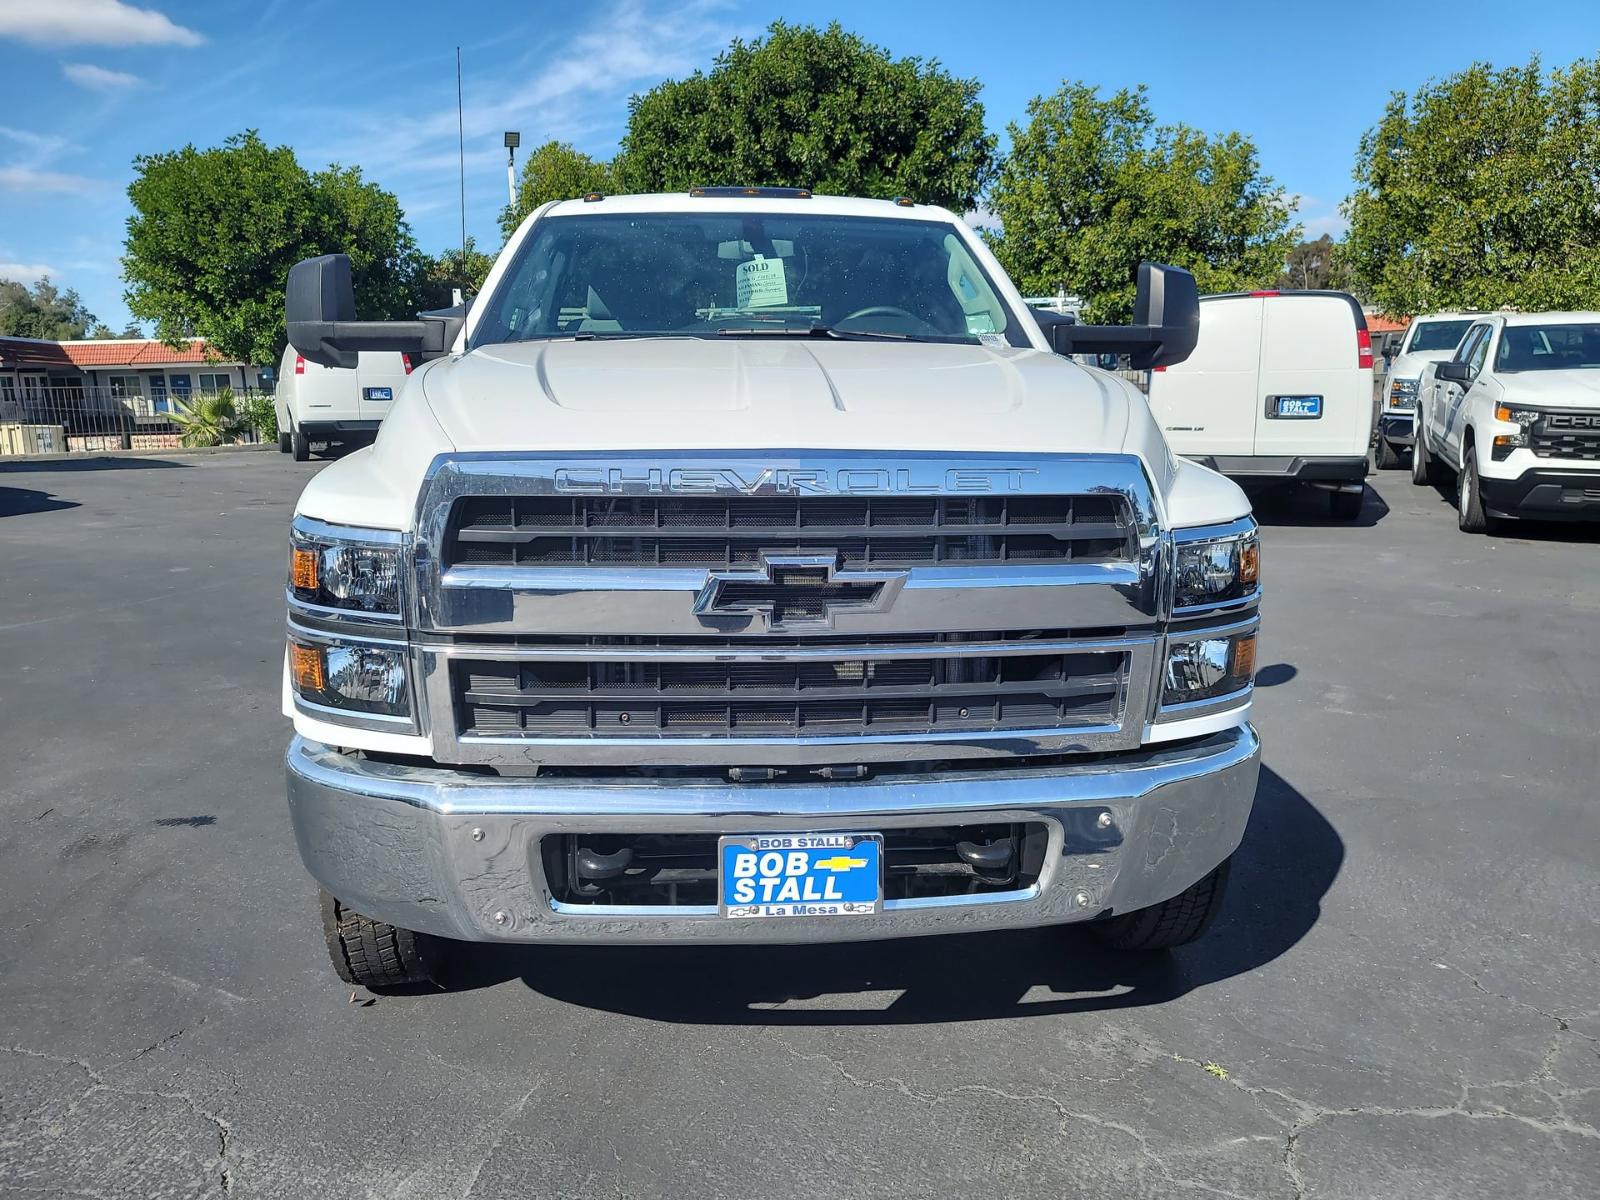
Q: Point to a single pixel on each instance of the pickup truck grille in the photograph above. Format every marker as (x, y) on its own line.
(651, 531)
(815, 696)
(1573, 435)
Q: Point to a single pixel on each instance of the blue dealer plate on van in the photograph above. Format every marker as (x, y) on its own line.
(1302, 407)
(801, 875)
(378, 393)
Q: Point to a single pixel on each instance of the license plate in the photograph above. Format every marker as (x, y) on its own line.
(378, 393)
(801, 875)
(1297, 406)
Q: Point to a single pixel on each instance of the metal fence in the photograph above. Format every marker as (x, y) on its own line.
(72, 417)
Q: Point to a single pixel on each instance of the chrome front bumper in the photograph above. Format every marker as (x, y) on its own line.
(458, 854)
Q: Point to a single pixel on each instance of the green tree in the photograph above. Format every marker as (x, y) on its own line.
(43, 311)
(209, 419)
(1093, 185)
(555, 171)
(1315, 264)
(1482, 190)
(214, 233)
(437, 277)
(812, 108)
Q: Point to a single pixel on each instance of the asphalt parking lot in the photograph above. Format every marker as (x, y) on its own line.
(1401, 999)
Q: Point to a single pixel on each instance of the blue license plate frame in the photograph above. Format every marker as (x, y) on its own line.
(762, 875)
(377, 393)
(1295, 408)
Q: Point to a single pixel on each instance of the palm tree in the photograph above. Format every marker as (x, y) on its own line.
(211, 420)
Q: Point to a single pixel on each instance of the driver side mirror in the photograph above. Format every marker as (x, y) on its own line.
(320, 312)
(1166, 322)
(1453, 372)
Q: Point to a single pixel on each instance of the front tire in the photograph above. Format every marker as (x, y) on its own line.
(1388, 455)
(1470, 515)
(375, 954)
(1425, 469)
(301, 446)
(1174, 922)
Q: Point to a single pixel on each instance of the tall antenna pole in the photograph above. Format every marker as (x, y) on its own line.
(461, 145)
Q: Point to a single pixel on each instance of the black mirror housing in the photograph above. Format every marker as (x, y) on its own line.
(1453, 372)
(320, 313)
(1166, 322)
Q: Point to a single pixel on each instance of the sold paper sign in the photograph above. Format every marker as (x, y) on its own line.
(759, 283)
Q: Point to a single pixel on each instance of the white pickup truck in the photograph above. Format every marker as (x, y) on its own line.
(753, 566)
(1514, 414)
(1428, 339)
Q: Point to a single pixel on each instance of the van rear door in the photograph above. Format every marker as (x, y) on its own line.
(1206, 405)
(379, 378)
(1314, 398)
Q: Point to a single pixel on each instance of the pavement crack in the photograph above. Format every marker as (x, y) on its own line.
(1064, 1114)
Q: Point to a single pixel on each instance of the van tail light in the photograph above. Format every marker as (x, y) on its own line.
(1363, 348)
(299, 365)
(1267, 292)
(1161, 368)
(406, 360)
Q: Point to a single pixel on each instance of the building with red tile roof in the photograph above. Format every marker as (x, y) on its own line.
(139, 374)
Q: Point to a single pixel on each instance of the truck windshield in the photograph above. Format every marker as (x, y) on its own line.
(1548, 347)
(1438, 335)
(725, 274)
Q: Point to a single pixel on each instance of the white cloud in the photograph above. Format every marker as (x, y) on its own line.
(26, 272)
(29, 179)
(90, 23)
(98, 78)
(1318, 217)
(43, 145)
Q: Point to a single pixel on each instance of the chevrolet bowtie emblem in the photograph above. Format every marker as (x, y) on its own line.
(787, 592)
(839, 862)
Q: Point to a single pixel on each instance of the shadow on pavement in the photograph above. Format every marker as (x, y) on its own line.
(1586, 532)
(92, 462)
(1308, 506)
(1276, 673)
(1289, 859)
(14, 502)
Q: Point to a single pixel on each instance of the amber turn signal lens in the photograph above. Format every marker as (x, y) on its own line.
(306, 665)
(1249, 563)
(303, 568)
(1244, 658)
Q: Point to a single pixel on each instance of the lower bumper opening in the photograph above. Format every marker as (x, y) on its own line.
(680, 869)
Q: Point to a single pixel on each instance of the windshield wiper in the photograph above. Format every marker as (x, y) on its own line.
(827, 331)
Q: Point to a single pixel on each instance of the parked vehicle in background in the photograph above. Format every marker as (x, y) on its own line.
(319, 405)
(1429, 339)
(752, 566)
(1515, 414)
(1279, 390)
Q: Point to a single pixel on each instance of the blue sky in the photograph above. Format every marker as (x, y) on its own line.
(89, 84)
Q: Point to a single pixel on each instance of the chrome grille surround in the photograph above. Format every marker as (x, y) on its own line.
(528, 615)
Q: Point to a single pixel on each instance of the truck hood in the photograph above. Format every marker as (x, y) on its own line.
(1578, 388)
(1409, 366)
(764, 393)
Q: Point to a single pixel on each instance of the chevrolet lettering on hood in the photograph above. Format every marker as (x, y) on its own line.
(784, 481)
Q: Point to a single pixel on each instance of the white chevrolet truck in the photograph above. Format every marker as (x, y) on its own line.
(750, 566)
(1429, 339)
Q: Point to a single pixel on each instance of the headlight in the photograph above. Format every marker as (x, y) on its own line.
(1402, 393)
(1212, 665)
(1216, 570)
(363, 578)
(367, 680)
(1505, 443)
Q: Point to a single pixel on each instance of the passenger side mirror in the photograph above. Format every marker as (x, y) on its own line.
(320, 312)
(1453, 372)
(1166, 322)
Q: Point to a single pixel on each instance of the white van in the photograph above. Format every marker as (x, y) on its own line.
(328, 404)
(1279, 389)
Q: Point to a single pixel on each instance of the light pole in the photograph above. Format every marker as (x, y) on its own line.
(513, 140)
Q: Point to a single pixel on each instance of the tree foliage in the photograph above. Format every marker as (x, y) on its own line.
(437, 277)
(1482, 190)
(821, 109)
(210, 419)
(43, 311)
(1093, 185)
(214, 233)
(1316, 264)
(555, 171)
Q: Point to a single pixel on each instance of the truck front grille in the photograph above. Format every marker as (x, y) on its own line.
(833, 695)
(1573, 435)
(876, 531)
